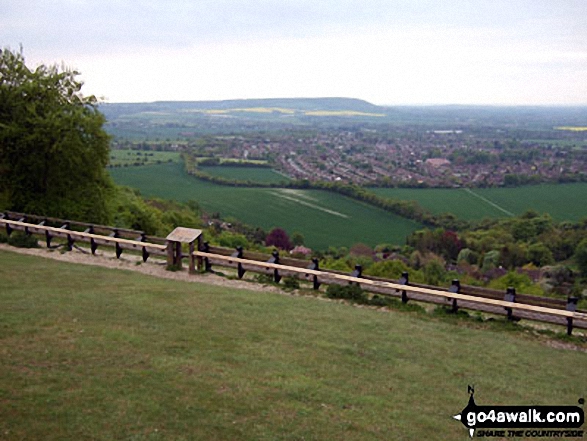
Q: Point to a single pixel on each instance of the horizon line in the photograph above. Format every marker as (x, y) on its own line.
(431, 104)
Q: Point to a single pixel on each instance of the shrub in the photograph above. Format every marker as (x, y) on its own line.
(353, 293)
(22, 240)
(232, 240)
(265, 279)
(291, 282)
(278, 238)
(173, 268)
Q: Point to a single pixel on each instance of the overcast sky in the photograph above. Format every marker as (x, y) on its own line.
(514, 52)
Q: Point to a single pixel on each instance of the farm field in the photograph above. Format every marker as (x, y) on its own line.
(95, 353)
(325, 219)
(561, 201)
(253, 174)
(136, 157)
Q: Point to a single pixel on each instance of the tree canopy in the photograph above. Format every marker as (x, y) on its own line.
(53, 147)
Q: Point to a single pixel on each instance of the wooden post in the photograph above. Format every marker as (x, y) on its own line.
(178, 255)
(170, 253)
(192, 259)
(199, 259)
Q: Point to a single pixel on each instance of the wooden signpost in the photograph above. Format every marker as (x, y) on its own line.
(180, 236)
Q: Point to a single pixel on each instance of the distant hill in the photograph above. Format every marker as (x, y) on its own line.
(114, 110)
(175, 119)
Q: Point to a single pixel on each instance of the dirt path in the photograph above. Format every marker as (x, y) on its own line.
(153, 267)
(156, 267)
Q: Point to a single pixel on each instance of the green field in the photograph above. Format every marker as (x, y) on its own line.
(561, 201)
(136, 157)
(91, 353)
(254, 174)
(324, 218)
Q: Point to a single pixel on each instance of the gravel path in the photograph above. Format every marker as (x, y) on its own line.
(153, 267)
(156, 267)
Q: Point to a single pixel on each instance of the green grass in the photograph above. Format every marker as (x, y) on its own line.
(561, 201)
(135, 157)
(91, 353)
(324, 218)
(253, 174)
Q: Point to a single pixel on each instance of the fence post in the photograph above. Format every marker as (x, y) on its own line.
(48, 238)
(316, 267)
(404, 280)
(93, 244)
(358, 273)
(571, 306)
(145, 253)
(239, 255)
(26, 229)
(455, 288)
(118, 247)
(70, 240)
(206, 249)
(275, 259)
(510, 296)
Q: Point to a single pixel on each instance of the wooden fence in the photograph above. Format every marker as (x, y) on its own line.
(509, 303)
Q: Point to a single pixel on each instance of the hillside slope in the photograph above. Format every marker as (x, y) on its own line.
(95, 353)
(114, 110)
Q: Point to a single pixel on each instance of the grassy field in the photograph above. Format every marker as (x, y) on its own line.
(91, 353)
(253, 174)
(561, 201)
(325, 219)
(136, 157)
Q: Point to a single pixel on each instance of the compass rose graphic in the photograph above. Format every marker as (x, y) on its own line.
(471, 406)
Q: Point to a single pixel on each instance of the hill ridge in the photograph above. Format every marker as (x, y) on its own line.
(324, 103)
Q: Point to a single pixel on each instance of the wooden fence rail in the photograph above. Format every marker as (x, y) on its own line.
(540, 313)
(542, 309)
(94, 240)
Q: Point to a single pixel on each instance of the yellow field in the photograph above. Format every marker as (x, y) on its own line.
(287, 111)
(249, 109)
(573, 128)
(341, 113)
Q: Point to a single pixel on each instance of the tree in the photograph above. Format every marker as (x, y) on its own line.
(278, 238)
(53, 148)
(539, 254)
(297, 238)
(581, 257)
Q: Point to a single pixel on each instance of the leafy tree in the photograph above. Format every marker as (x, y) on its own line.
(434, 273)
(581, 257)
(539, 254)
(278, 238)
(233, 240)
(297, 238)
(490, 260)
(468, 255)
(360, 249)
(53, 148)
(390, 269)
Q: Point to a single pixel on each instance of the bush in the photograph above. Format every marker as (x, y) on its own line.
(174, 267)
(232, 240)
(291, 282)
(3, 238)
(22, 240)
(353, 293)
(265, 279)
(390, 269)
